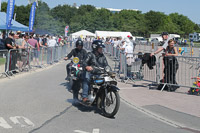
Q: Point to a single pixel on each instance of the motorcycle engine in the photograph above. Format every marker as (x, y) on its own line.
(91, 98)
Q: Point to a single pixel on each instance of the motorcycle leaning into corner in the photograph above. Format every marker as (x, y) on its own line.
(103, 91)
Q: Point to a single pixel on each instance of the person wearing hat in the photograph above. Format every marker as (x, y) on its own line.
(128, 36)
(166, 38)
(10, 44)
(19, 32)
(10, 41)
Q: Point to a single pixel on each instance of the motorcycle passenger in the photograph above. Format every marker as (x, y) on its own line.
(95, 58)
(77, 52)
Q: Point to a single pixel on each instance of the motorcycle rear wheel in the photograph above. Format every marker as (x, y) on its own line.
(110, 104)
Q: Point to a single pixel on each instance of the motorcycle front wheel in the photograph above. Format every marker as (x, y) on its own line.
(110, 104)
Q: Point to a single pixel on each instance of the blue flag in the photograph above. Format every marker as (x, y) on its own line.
(10, 11)
(32, 17)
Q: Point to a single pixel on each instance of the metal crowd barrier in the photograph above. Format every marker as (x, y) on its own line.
(3, 62)
(173, 72)
(137, 69)
(179, 71)
(18, 60)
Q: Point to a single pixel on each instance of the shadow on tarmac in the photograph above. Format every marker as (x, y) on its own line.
(67, 85)
(84, 108)
(79, 105)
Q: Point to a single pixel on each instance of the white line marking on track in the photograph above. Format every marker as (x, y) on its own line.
(95, 131)
(16, 121)
(4, 124)
(79, 131)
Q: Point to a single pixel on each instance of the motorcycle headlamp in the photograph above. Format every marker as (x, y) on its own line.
(108, 69)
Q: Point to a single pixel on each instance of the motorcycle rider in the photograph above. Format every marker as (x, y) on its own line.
(95, 58)
(77, 52)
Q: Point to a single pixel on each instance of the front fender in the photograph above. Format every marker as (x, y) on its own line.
(113, 88)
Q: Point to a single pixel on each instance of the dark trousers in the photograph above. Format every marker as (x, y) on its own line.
(129, 74)
(68, 68)
(170, 70)
(76, 87)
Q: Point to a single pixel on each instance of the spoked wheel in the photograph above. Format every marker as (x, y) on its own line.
(110, 104)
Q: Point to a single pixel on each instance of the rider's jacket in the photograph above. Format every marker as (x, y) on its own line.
(94, 60)
(81, 54)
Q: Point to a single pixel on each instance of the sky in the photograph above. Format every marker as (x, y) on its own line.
(189, 8)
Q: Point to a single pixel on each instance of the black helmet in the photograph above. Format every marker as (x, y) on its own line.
(97, 44)
(79, 43)
(164, 33)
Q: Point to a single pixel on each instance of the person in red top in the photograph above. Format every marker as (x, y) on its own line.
(59, 39)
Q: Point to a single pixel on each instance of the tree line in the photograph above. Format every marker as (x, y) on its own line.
(53, 21)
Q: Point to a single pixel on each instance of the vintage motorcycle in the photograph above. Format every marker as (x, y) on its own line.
(103, 91)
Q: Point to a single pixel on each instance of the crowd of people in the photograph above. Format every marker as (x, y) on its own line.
(22, 42)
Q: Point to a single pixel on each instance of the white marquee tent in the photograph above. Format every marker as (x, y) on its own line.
(83, 33)
(112, 34)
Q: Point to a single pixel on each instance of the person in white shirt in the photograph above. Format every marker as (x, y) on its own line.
(123, 45)
(52, 42)
(115, 43)
(129, 58)
(119, 41)
(51, 50)
(129, 54)
(166, 38)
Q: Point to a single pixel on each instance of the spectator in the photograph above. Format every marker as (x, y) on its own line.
(115, 43)
(51, 49)
(44, 40)
(119, 41)
(133, 43)
(59, 39)
(165, 43)
(62, 43)
(19, 43)
(23, 46)
(171, 50)
(9, 42)
(122, 47)
(52, 42)
(37, 37)
(35, 45)
(171, 64)
(130, 41)
(129, 58)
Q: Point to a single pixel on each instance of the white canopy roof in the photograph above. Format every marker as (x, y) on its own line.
(174, 36)
(112, 34)
(83, 33)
